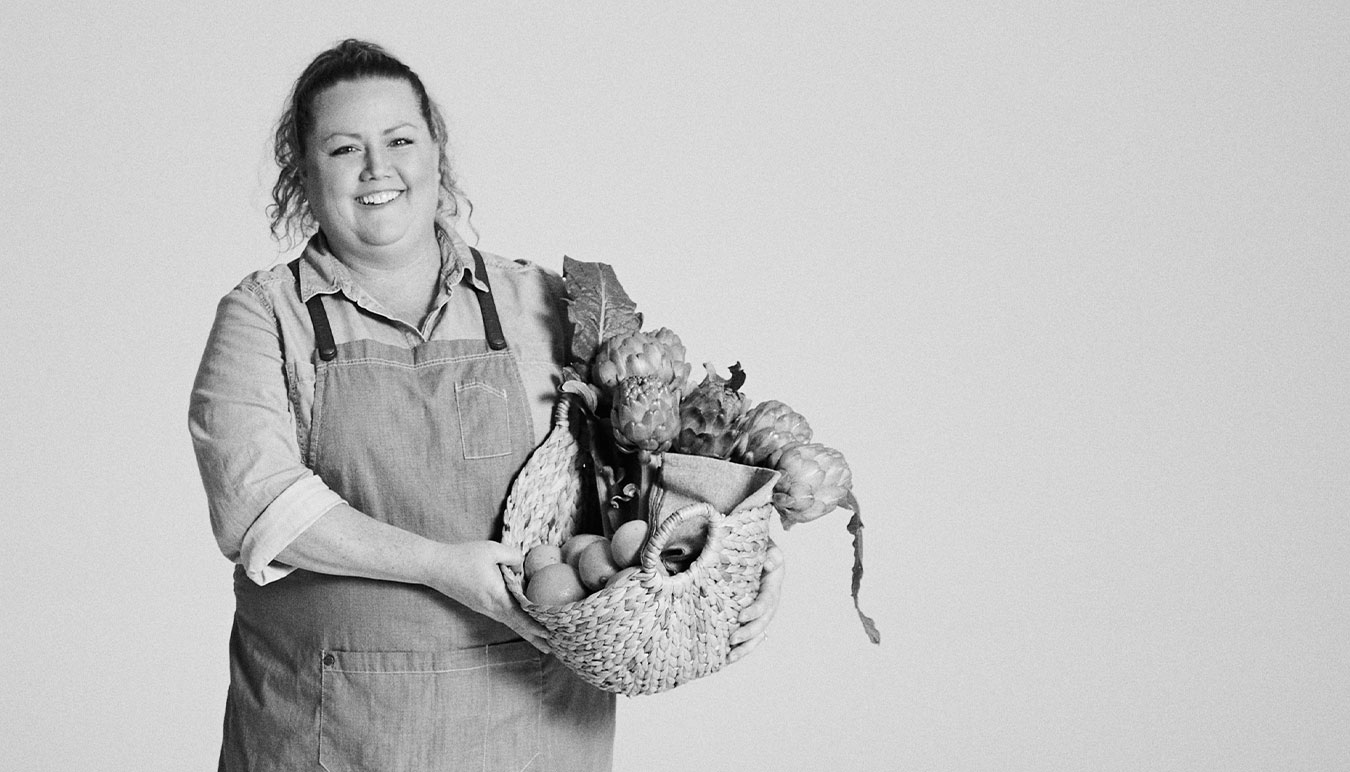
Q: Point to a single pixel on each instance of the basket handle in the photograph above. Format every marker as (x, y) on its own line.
(675, 522)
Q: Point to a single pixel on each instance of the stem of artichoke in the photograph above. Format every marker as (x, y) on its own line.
(645, 468)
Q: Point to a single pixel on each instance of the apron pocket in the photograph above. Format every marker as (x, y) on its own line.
(484, 420)
(474, 709)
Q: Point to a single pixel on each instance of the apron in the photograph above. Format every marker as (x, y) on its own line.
(344, 673)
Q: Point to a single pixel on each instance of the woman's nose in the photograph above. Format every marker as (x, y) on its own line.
(377, 164)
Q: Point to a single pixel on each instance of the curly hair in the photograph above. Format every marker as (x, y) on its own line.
(349, 60)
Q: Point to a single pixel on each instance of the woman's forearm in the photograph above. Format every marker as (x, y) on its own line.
(348, 542)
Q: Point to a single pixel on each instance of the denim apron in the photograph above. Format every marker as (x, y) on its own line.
(343, 673)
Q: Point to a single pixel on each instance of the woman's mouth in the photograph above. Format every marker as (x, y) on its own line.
(376, 199)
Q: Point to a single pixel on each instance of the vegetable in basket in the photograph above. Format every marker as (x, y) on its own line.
(663, 472)
(710, 413)
(635, 376)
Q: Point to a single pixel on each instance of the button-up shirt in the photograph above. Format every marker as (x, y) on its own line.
(253, 399)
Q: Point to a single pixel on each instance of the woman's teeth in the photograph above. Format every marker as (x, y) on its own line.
(382, 197)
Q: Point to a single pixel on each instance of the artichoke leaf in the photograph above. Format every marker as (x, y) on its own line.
(855, 527)
(597, 308)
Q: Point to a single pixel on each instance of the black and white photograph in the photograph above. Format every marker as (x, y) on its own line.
(653, 387)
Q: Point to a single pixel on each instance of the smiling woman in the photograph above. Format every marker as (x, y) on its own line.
(371, 171)
(350, 62)
(372, 182)
(358, 418)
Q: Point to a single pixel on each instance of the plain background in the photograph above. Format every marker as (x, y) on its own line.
(1066, 282)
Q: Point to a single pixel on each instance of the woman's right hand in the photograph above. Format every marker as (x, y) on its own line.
(470, 572)
(348, 543)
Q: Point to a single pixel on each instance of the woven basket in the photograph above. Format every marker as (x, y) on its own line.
(651, 630)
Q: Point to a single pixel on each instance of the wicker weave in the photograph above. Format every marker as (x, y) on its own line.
(649, 631)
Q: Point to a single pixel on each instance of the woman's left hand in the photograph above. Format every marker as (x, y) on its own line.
(755, 617)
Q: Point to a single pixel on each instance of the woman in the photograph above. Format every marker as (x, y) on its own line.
(358, 417)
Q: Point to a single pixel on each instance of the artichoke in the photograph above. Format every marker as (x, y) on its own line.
(658, 355)
(680, 369)
(710, 413)
(645, 415)
(815, 479)
(766, 431)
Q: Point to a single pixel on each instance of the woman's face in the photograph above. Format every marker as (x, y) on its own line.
(372, 170)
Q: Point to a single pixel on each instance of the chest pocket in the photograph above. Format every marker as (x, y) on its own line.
(484, 419)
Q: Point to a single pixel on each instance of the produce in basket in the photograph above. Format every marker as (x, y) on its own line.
(596, 565)
(679, 480)
(657, 355)
(572, 548)
(539, 556)
(555, 585)
(645, 415)
(815, 481)
(709, 414)
(765, 431)
(627, 542)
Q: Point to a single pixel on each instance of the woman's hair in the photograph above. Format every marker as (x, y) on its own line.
(347, 61)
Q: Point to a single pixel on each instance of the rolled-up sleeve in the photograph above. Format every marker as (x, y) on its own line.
(259, 493)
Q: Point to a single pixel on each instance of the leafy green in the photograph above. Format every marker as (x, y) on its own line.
(855, 527)
(598, 308)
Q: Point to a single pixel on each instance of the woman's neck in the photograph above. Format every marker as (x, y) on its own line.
(381, 263)
(403, 281)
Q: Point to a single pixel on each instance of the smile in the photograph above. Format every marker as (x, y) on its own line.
(375, 199)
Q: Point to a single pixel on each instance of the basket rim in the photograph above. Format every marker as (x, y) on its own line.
(712, 554)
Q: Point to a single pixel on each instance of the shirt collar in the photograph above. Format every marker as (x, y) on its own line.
(322, 273)
(457, 264)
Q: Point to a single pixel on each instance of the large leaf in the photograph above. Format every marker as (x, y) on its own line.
(598, 308)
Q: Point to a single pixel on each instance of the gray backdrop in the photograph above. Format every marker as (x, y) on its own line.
(1065, 281)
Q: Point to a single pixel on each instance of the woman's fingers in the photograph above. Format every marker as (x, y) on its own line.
(755, 618)
(770, 588)
(472, 575)
(529, 629)
(524, 623)
(740, 650)
(504, 555)
(773, 558)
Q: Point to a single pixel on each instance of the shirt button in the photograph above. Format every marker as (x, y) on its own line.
(328, 660)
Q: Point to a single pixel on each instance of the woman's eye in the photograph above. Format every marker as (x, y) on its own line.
(344, 150)
(401, 141)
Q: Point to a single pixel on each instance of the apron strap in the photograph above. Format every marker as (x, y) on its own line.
(323, 334)
(492, 325)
